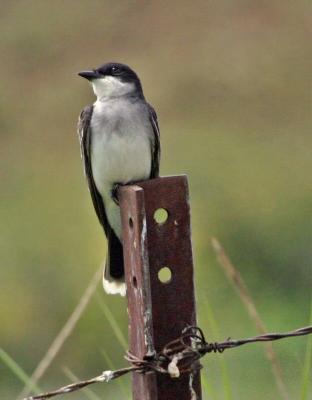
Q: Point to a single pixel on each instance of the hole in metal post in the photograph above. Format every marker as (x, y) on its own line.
(161, 215)
(164, 275)
(134, 281)
(131, 223)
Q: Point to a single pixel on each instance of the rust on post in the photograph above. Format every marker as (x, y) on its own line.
(158, 311)
(131, 200)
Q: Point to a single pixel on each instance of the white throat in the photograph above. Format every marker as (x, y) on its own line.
(110, 86)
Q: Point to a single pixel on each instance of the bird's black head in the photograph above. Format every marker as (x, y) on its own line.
(113, 79)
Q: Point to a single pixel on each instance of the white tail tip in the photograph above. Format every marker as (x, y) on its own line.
(114, 287)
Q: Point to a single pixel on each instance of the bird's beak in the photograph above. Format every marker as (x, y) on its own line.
(90, 75)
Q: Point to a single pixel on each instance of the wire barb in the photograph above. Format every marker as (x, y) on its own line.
(178, 357)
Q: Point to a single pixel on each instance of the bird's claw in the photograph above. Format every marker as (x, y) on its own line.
(114, 194)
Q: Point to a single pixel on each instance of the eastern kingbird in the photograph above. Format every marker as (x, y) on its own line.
(119, 140)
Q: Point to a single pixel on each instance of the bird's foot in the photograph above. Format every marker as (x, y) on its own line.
(114, 193)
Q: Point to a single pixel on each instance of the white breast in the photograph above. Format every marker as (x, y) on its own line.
(120, 151)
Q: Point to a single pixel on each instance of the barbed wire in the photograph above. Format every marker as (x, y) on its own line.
(177, 358)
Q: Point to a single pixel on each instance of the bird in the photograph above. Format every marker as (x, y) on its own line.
(120, 144)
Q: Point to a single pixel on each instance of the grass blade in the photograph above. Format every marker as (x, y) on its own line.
(65, 331)
(88, 392)
(112, 367)
(19, 372)
(237, 281)
(113, 323)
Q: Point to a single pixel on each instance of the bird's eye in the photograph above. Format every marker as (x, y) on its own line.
(115, 70)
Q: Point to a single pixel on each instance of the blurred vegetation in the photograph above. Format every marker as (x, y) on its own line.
(231, 84)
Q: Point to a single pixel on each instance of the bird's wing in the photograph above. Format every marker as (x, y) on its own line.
(84, 133)
(155, 144)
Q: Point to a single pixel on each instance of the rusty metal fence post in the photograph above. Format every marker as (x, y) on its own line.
(158, 308)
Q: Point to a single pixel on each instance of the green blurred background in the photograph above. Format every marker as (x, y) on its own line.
(230, 81)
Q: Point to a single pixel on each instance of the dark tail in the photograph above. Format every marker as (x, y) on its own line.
(114, 275)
